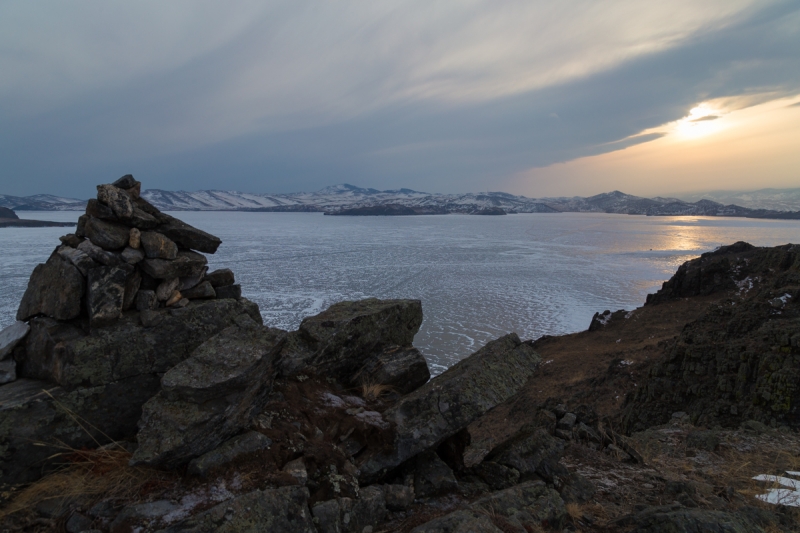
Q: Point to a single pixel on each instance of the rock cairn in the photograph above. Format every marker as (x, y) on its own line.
(125, 253)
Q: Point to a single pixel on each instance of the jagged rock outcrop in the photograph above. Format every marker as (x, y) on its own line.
(447, 404)
(339, 341)
(210, 396)
(740, 360)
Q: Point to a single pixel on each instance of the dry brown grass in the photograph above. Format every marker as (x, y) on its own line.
(740, 468)
(89, 475)
(374, 391)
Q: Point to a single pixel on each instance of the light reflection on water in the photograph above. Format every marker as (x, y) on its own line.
(478, 277)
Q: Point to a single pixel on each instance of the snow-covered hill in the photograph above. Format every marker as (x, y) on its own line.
(345, 196)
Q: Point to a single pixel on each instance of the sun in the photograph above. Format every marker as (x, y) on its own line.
(702, 120)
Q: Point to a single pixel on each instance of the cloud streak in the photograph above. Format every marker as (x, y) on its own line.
(288, 96)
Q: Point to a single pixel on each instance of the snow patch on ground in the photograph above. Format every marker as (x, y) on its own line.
(787, 494)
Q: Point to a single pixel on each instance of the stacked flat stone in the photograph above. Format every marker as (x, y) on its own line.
(125, 253)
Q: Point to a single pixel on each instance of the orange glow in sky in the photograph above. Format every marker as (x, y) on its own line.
(720, 144)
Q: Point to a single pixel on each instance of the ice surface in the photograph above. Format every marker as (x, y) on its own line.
(478, 277)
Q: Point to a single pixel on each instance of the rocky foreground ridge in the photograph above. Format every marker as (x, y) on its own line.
(143, 393)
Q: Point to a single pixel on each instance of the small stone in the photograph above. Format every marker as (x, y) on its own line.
(158, 246)
(175, 298)
(134, 238)
(183, 302)
(98, 254)
(220, 278)
(194, 280)
(202, 291)
(563, 434)
(11, 336)
(166, 289)
(297, 469)
(125, 182)
(146, 300)
(567, 421)
(115, 198)
(79, 258)
(231, 291)
(71, 239)
(132, 255)
(107, 235)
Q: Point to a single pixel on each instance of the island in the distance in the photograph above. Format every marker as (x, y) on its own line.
(9, 219)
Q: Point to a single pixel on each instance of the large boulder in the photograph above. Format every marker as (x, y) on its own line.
(340, 340)
(157, 245)
(530, 451)
(185, 264)
(210, 396)
(38, 420)
(450, 401)
(65, 354)
(283, 510)
(55, 289)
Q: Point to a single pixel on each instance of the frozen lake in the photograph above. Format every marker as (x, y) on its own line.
(478, 277)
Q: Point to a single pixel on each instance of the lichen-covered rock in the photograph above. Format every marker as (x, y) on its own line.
(55, 289)
(107, 235)
(404, 369)
(450, 401)
(30, 417)
(67, 355)
(227, 452)
(8, 371)
(527, 503)
(99, 255)
(530, 451)
(209, 396)
(338, 341)
(347, 515)
(189, 237)
(116, 199)
(670, 518)
(741, 359)
(283, 510)
(105, 294)
(464, 521)
(185, 264)
(132, 255)
(157, 245)
(146, 300)
(81, 260)
(398, 497)
(497, 476)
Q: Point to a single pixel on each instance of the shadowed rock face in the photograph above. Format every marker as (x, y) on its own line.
(55, 289)
(445, 405)
(64, 354)
(210, 396)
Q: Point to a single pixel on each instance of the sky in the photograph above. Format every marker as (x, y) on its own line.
(537, 98)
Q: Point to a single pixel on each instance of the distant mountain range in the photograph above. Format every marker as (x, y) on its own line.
(343, 197)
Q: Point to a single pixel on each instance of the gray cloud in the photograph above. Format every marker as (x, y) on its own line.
(200, 121)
